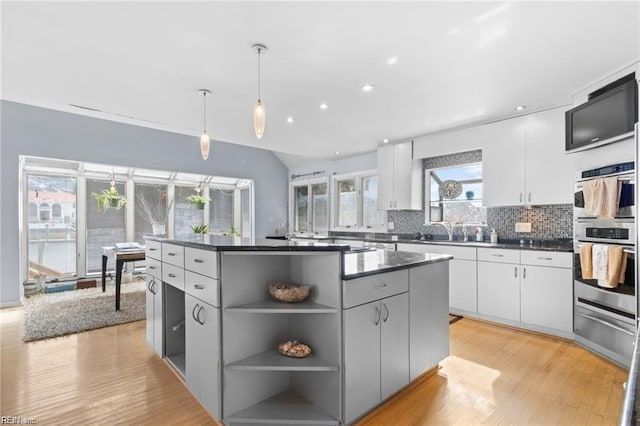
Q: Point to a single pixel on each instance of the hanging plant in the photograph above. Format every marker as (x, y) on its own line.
(109, 198)
(198, 201)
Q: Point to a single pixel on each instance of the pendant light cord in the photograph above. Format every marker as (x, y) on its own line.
(259, 76)
(204, 97)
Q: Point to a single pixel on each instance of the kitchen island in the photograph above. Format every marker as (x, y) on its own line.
(375, 320)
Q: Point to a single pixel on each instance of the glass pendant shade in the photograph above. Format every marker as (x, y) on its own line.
(259, 119)
(204, 145)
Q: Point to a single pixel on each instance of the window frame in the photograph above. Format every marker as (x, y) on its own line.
(360, 226)
(292, 208)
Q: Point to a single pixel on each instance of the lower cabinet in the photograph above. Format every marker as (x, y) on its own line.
(376, 353)
(154, 314)
(547, 297)
(463, 291)
(202, 337)
(499, 290)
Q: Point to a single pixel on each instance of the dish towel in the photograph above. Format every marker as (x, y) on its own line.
(616, 266)
(602, 196)
(586, 264)
(600, 263)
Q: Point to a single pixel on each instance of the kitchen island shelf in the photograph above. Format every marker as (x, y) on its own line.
(274, 361)
(285, 408)
(273, 307)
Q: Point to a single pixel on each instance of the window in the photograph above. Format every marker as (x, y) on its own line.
(455, 194)
(221, 209)
(356, 203)
(246, 228)
(51, 246)
(104, 228)
(310, 207)
(56, 212)
(186, 215)
(151, 210)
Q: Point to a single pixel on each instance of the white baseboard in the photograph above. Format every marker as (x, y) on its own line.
(11, 303)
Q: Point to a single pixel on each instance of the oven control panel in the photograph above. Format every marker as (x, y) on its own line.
(608, 233)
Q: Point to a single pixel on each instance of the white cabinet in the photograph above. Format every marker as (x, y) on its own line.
(524, 161)
(376, 353)
(202, 337)
(547, 291)
(399, 178)
(499, 284)
(463, 275)
(154, 313)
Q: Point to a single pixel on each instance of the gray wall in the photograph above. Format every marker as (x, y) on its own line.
(29, 130)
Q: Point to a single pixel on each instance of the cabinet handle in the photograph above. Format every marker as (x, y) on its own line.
(198, 287)
(152, 267)
(198, 260)
(545, 258)
(172, 275)
(171, 254)
(386, 312)
(521, 197)
(377, 321)
(524, 273)
(193, 312)
(529, 196)
(149, 285)
(154, 287)
(395, 204)
(201, 321)
(381, 286)
(497, 255)
(390, 203)
(516, 272)
(152, 249)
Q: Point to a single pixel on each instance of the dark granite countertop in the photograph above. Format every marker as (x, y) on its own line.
(562, 245)
(221, 243)
(362, 264)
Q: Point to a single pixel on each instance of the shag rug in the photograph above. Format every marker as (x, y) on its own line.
(58, 314)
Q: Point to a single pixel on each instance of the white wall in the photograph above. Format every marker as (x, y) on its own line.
(29, 130)
(366, 161)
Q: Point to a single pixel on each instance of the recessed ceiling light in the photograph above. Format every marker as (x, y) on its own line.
(367, 87)
(289, 119)
(385, 140)
(323, 105)
(392, 60)
(337, 152)
(520, 107)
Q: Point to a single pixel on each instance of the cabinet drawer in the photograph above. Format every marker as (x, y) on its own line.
(374, 287)
(499, 255)
(201, 287)
(154, 267)
(546, 258)
(153, 249)
(201, 261)
(173, 275)
(173, 254)
(462, 253)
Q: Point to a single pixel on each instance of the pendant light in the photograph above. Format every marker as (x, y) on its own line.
(204, 137)
(259, 117)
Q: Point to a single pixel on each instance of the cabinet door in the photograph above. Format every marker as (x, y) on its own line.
(499, 290)
(385, 177)
(503, 163)
(150, 317)
(439, 311)
(402, 175)
(158, 334)
(394, 344)
(202, 330)
(547, 297)
(549, 170)
(361, 359)
(463, 290)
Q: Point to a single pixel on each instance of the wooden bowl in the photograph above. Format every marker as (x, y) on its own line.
(294, 349)
(288, 292)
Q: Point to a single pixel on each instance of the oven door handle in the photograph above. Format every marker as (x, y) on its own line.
(603, 322)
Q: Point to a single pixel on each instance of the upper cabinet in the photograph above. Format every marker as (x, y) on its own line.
(524, 161)
(399, 178)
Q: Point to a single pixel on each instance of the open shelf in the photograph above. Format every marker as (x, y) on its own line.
(273, 307)
(285, 408)
(274, 361)
(178, 362)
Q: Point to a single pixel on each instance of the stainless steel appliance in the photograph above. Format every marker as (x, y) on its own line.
(605, 318)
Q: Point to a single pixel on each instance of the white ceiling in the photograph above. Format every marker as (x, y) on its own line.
(458, 63)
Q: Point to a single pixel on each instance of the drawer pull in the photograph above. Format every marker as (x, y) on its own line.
(199, 287)
(152, 267)
(497, 255)
(515, 272)
(171, 254)
(172, 275)
(545, 258)
(198, 260)
(152, 249)
(381, 286)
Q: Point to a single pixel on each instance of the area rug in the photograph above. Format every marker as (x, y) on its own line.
(58, 314)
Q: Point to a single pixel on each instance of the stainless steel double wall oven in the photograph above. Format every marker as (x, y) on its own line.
(605, 318)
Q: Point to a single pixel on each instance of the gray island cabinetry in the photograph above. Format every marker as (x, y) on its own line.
(373, 319)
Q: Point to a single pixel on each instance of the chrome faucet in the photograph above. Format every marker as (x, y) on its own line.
(448, 226)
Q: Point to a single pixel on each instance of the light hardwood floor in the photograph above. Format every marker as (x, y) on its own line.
(495, 375)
